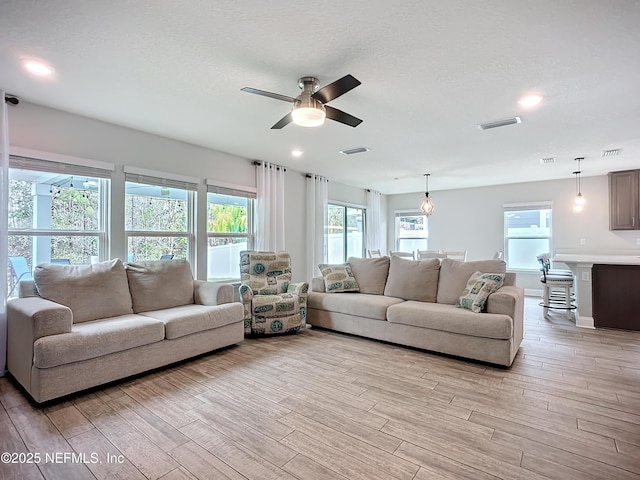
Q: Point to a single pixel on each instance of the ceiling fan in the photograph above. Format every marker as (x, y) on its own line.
(310, 107)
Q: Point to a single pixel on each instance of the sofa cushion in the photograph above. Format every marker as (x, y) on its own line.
(447, 318)
(479, 287)
(358, 304)
(413, 279)
(159, 284)
(455, 274)
(338, 278)
(370, 273)
(280, 305)
(96, 338)
(99, 290)
(188, 319)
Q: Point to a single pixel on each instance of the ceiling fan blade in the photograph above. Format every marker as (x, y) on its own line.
(283, 122)
(342, 117)
(264, 93)
(337, 88)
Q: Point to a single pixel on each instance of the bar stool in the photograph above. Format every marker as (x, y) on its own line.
(557, 285)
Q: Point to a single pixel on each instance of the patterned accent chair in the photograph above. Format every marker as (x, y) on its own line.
(272, 304)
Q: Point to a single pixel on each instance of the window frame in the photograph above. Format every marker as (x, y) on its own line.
(165, 180)
(526, 207)
(409, 213)
(345, 240)
(72, 167)
(238, 192)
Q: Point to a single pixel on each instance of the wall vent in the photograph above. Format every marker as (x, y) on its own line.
(499, 123)
(548, 160)
(611, 153)
(352, 151)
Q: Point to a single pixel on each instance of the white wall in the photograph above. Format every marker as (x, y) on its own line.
(472, 219)
(36, 127)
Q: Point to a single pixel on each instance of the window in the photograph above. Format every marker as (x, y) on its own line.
(527, 234)
(412, 232)
(345, 233)
(57, 213)
(229, 231)
(158, 217)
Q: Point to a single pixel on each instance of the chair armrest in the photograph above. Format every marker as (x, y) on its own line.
(300, 288)
(210, 293)
(37, 317)
(317, 285)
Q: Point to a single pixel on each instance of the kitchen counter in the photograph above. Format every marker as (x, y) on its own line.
(581, 265)
(603, 259)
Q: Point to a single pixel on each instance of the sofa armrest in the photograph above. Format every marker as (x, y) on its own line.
(317, 285)
(210, 293)
(37, 317)
(27, 320)
(509, 300)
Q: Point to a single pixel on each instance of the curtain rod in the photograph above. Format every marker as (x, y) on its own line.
(11, 99)
(264, 164)
(311, 175)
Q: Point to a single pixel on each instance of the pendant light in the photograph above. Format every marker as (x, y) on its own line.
(579, 201)
(427, 207)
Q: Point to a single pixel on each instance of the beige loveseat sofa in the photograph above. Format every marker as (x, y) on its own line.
(412, 303)
(79, 326)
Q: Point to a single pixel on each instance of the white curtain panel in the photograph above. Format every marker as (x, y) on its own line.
(317, 202)
(269, 207)
(4, 221)
(374, 221)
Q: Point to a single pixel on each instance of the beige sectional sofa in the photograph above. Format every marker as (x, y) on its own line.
(78, 326)
(412, 303)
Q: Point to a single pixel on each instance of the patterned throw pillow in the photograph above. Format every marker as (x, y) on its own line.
(479, 287)
(338, 278)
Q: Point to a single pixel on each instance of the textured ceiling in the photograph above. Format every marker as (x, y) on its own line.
(430, 72)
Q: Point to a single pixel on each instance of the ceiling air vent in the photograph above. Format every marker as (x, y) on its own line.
(353, 151)
(611, 153)
(548, 160)
(499, 123)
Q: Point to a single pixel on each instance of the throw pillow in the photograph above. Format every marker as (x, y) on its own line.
(338, 278)
(370, 273)
(479, 287)
(91, 292)
(413, 279)
(454, 275)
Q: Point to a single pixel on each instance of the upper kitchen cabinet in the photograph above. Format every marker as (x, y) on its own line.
(624, 200)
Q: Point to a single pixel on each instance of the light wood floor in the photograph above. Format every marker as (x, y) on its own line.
(321, 405)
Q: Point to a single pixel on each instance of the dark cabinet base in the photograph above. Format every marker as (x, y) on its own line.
(616, 296)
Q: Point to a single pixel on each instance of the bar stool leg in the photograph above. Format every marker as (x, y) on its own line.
(545, 300)
(568, 300)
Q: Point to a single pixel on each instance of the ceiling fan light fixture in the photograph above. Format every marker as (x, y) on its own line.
(308, 116)
(308, 112)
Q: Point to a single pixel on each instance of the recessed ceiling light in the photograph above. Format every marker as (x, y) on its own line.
(296, 153)
(530, 100)
(37, 67)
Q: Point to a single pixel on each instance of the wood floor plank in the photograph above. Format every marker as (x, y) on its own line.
(322, 405)
(558, 441)
(145, 455)
(379, 459)
(577, 461)
(241, 459)
(303, 468)
(104, 460)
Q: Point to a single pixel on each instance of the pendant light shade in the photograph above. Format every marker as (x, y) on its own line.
(427, 207)
(579, 200)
